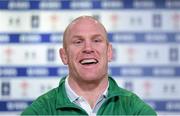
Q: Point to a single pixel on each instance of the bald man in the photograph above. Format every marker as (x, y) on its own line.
(87, 89)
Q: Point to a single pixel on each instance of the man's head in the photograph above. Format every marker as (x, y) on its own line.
(74, 21)
(86, 49)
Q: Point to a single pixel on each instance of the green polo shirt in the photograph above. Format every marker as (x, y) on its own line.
(118, 102)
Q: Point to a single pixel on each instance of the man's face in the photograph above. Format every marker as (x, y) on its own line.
(86, 51)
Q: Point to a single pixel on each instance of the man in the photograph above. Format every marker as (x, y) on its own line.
(87, 90)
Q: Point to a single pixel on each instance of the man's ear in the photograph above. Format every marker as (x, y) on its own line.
(63, 56)
(110, 52)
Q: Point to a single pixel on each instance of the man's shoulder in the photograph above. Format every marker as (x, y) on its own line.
(49, 95)
(42, 103)
(47, 101)
(132, 103)
(115, 89)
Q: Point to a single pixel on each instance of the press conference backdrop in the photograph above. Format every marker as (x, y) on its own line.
(146, 43)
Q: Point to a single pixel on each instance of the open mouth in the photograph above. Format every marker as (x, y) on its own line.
(88, 61)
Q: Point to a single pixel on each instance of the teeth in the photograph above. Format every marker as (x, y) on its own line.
(88, 61)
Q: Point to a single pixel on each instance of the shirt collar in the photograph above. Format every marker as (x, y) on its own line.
(70, 93)
(73, 96)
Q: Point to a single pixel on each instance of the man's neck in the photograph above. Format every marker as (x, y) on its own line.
(90, 91)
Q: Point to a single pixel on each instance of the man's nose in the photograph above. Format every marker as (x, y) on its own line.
(88, 48)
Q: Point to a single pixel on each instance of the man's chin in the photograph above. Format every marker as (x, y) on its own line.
(91, 79)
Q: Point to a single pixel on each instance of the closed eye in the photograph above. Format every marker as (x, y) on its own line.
(78, 42)
(97, 40)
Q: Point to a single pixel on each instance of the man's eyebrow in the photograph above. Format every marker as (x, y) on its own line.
(93, 36)
(80, 36)
(77, 37)
(97, 35)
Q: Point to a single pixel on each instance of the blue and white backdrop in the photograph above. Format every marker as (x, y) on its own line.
(146, 43)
